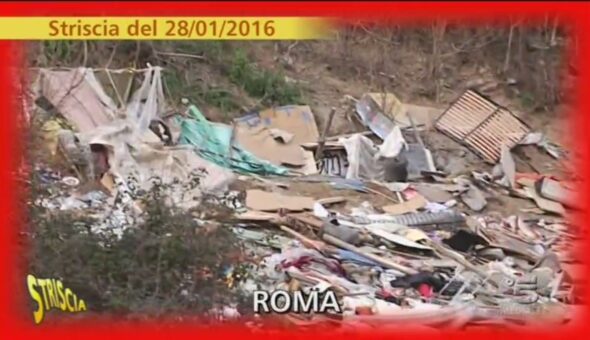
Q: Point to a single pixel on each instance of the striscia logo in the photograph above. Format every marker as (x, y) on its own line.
(50, 293)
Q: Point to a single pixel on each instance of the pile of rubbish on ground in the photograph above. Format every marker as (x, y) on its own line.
(399, 234)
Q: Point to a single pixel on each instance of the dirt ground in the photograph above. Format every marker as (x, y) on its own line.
(327, 79)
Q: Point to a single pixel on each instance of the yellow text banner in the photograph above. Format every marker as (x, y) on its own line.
(164, 28)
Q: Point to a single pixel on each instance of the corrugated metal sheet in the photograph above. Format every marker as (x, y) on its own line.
(419, 219)
(481, 125)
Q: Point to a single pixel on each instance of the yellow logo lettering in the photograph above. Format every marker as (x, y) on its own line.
(38, 314)
(50, 293)
(81, 305)
(62, 297)
(71, 307)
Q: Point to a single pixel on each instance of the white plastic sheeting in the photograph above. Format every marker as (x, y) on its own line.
(361, 158)
(134, 150)
(542, 141)
(393, 144)
(148, 101)
(364, 156)
(133, 156)
(78, 96)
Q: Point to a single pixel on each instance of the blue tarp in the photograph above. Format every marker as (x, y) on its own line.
(346, 255)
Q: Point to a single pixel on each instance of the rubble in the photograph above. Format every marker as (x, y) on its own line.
(397, 242)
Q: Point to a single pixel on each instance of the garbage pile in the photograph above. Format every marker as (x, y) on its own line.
(372, 216)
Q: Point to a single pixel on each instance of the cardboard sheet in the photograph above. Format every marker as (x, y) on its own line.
(281, 136)
(545, 204)
(433, 193)
(555, 191)
(269, 201)
(297, 120)
(411, 205)
(251, 215)
(395, 238)
(310, 167)
(331, 200)
(260, 141)
(276, 134)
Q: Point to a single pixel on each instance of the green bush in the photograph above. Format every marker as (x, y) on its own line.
(198, 93)
(267, 85)
(165, 264)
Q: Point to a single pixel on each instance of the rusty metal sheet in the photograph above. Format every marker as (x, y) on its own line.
(481, 125)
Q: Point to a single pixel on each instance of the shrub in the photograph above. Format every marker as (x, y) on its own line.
(165, 264)
(265, 84)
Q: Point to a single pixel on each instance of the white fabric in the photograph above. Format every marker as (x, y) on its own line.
(130, 155)
(393, 144)
(320, 211)
(148, 101)
(363, 155)
(78, 96)
(361, 158)
(532, 138)
(541, 140)
(107, 101)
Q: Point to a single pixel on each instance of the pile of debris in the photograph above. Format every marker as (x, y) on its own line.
(371, 216)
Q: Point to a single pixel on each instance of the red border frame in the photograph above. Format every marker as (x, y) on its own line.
(13, 284)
